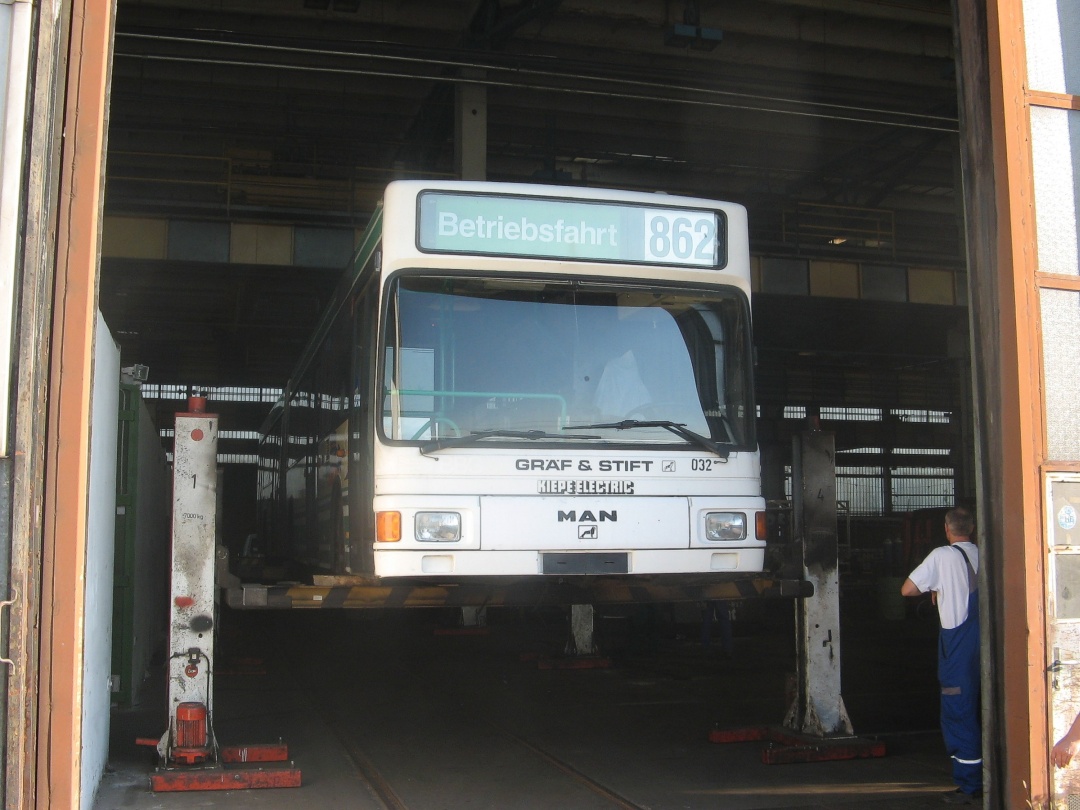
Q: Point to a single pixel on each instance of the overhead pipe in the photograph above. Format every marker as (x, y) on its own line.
(661, 94)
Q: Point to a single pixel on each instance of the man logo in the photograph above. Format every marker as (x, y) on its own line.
(587, 520)
(588, 516)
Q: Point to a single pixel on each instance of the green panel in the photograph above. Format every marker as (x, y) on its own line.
(127, 475)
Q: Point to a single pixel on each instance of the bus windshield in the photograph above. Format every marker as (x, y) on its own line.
(504, 356)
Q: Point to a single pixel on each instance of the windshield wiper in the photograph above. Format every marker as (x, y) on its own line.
(678, 428)
(471, 438)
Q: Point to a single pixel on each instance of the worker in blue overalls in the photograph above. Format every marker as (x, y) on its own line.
(949, 573)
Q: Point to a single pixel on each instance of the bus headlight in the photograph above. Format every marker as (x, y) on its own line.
(725, 526)
(438, 527)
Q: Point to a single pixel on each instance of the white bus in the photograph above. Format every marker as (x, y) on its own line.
(521, 380)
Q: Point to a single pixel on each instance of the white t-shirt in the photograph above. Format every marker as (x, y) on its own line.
(621, 389)
(945, 572)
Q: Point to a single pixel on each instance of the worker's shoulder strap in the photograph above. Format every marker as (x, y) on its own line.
(973, 581)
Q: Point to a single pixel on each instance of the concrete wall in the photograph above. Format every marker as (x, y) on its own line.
(100, 530)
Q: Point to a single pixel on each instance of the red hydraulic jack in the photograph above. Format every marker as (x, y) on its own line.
(817, 727)
(195, 762)
(785, 747)
(189, 755)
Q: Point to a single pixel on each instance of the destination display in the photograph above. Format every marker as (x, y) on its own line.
(552, 228)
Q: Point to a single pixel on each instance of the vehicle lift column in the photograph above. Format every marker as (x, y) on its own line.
(817, 727)
(189, 754)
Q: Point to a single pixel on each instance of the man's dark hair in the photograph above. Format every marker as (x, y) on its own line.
(960, 522)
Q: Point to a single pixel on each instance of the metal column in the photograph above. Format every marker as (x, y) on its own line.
(819, 706)
(817, 728)
(471, 125)
(581, 642)
(581, 651)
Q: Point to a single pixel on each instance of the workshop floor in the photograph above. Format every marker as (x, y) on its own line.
(385, 709)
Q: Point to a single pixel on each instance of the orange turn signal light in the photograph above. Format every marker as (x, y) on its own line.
(761, 526)
(388, 527)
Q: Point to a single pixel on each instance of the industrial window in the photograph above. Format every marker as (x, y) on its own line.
(238, 458)
(852, 414)
(866, 489)
(212, 393)
(862, 488)
(785, 276)
(884, 282)
(877, 481)
(922, 488)
(1061, 342)
(242, 394)
(158, 391)
(228, 458)
(933, 417)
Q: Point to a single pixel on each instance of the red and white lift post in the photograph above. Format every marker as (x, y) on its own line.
(189, 753)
